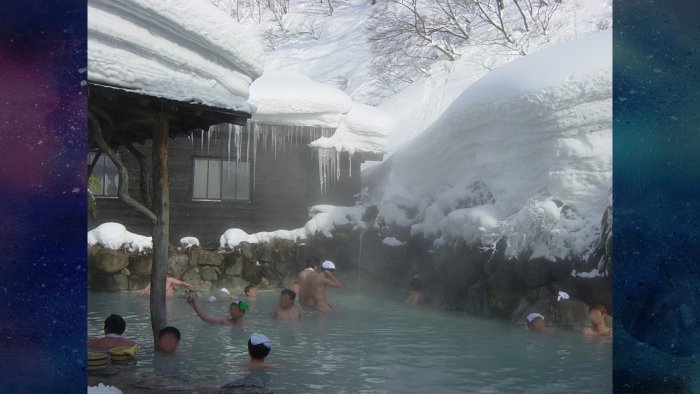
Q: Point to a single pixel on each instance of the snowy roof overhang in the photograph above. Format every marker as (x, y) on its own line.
(362, 132)
(291, 99)
(184, 60)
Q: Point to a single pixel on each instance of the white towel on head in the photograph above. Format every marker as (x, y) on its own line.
(562, 296)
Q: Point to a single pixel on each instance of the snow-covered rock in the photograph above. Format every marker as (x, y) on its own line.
(188, 242)
(115, 236)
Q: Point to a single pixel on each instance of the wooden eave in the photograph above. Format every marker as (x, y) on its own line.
(127, 116)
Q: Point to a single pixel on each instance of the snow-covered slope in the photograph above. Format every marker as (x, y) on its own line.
(525, 153)
(184, 50)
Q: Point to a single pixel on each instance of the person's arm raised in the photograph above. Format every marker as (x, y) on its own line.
(204, 316)
(145, 290)
(330, 280)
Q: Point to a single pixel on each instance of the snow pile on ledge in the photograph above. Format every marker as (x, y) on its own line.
(115, 236)
(291, 99)
(391, 241)
(364, 130)
(188, 242)
(524, 153)
(184, 50)
(103, 389)
(325, 218)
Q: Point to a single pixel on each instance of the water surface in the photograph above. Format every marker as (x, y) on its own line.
(375, 344)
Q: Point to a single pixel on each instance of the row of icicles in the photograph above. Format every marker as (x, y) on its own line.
(273, 138)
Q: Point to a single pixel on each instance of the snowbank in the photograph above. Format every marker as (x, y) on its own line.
(525, 153)
(115, 236)
(324, 219)
(291, 99)
(183, 50)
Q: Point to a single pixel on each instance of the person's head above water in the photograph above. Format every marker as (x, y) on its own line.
(597, 313)
(168, 339)
(328, 266)
(251, 291)
(237, 309)
(115, 324)
(415, 284)
(287, 297)
(535, 322)
(258, 347)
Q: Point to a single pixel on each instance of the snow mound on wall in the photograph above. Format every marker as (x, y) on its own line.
(363, 130)
(525, 153)
(184, 50)
(103, 389)
(115, 236)
(325, 218)
(286, 98)
(188, 242)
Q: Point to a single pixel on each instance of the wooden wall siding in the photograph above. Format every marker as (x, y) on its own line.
(286, 186)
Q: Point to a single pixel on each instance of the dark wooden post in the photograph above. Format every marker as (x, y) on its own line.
(161, 229)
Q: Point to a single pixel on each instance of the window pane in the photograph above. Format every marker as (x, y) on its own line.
(199, 188)
(214, 192)
(97, 173)
(242, 182)
(111, 183)
(228, 180)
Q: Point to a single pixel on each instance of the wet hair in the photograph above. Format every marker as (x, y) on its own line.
(169, 330)
(259, 351)
(415, 284)
(598, 307)
(292, 295)
(247, 289)
(313, 261)
(115, 324)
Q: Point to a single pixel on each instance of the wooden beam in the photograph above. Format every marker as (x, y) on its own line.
(161, 229)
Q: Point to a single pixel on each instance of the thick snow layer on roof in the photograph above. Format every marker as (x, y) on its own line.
(325, 219)
(115, 236)
(524, 153)
(285, 98)
(364, 129)
(184, 50)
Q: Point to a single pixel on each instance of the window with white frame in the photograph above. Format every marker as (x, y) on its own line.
(106, 174)
(215, 179)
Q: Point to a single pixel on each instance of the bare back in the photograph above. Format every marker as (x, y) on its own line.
(306, 287)
(320, 282)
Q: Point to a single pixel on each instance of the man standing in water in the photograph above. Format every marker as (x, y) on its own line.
(306, 283)
(322, 280)
(169, 283)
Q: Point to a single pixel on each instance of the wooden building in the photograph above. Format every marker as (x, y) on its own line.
(262, 178)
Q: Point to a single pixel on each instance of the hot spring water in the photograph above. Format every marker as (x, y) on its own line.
(375, 344)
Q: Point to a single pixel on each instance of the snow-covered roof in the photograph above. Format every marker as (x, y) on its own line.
(183, 50)
(286, 98)
(362, 130)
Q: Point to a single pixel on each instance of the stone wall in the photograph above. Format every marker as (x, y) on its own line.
(456, 276)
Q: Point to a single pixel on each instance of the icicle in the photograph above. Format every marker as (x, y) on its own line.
(201, 148)
(229, 143)
(255, 149)
(337, 167)
(349, 165)
(238, 144)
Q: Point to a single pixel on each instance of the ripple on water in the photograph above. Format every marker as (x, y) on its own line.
(375, 345)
